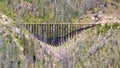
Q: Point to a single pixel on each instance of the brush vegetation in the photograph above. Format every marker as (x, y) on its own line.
(97, 47)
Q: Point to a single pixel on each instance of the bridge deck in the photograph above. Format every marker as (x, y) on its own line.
(64, 23)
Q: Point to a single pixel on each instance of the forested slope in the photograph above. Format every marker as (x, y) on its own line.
(97, 47)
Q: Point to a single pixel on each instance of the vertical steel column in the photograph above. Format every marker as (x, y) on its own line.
(27, 26)
(45, 33)
(70, 30)
(32, 28)
(37, 31)
(42, 32)
(67, 31)
(50, 29)
(79, 28)
(75, 29)
(57, 33)
(24, 25)
(61, 34)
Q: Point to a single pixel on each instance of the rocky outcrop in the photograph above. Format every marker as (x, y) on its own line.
(106, 17)
(4, 19)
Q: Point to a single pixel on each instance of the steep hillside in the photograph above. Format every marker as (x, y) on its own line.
(97, 47)
(18, 48)
(58, 11)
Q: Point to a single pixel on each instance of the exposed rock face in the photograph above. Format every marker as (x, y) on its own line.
(16, 30)
(110, 18)
(107, 17)
(4, 19)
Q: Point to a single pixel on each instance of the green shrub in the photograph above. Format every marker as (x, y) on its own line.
(23, 40)
(115, 25)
